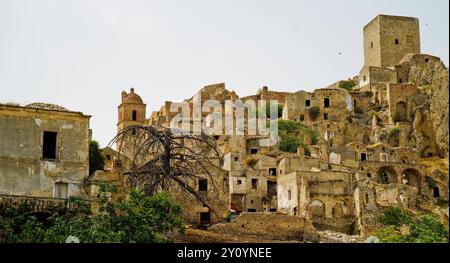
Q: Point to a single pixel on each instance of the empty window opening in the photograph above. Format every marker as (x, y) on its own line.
(273, 171)
(49, 145)
(134, 116)
(108, 157)
(61, 190)
(251, 210)
(216, 137)
(254, 151)
(254, 183)
(272, 210)
(134, 132)
(429, 154)
(400, 80)
(364, 78)
(289, 195)
(205, 218)
(203, 185)
(366, 199)
(363, 156)
(302, 117)
(236, 159)
(307, 103)
(426, 60)
(239, 182)
(436, 192)
(371, 44)
(354, 103)
(397, 42)
(251, 201)
(295, 211)
(325, 116)
(326, 102)
(369, 175)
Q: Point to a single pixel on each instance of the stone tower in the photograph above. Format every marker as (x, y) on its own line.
(131, 110)
(387, 39)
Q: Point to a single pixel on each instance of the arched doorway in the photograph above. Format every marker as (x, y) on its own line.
(413, 178)
(317, 208)
(387, 175)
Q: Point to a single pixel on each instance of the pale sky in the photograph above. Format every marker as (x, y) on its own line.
(82, 54)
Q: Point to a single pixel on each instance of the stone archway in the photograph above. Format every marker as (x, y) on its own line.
(387, 175)
(413, 178)
(317, 208)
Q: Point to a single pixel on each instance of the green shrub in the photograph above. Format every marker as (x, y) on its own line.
(314, 112)
(394, 216)
(290, 144)
(428, 229)
(389, 234)
(347, 84)
(287, 127)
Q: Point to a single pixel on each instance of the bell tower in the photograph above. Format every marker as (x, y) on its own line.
(131, 110)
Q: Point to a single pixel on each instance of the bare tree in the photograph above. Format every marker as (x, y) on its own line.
(161, 158)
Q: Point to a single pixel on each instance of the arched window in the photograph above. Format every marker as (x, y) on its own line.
(134, 116)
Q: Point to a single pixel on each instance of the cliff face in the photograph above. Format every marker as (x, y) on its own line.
(432, 76)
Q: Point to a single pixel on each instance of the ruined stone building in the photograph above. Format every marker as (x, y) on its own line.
(44, 151)
(380, 141)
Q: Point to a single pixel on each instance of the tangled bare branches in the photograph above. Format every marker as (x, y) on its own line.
(161, 159)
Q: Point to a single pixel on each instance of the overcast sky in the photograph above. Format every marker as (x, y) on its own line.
(82, 54)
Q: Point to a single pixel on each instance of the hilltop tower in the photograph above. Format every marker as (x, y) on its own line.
(387, 39)
(131, 110)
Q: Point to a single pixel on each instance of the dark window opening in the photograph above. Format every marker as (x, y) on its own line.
(363, 156)
(397, 41)
(429, 154)
(108, 157)
(272, 210)
(307, 103)
(366, 199)
(364, 78)
(400, 80)
(326, 102)
(254, 183)
(354, 103)
(325, 116)
(253, 151)
(273, 171)
(134, 115)
(426, 60)
(203, 185)
(251, 201)
(239, 182)
(49, 145)
(371, 44)
(236, 159)
(289, 195)
(436, 192)
(216, 137)
(134, 132)
(251, 210)
(369, 175)
(302, 117)
(205, 218)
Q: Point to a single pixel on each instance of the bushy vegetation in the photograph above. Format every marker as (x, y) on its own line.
(140, 219)
(393, 136)
(96, 159)
(314, 112)
(294, 134)
(423, 229)
(347, 84)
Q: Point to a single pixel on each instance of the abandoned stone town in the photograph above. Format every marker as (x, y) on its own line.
(350, 150)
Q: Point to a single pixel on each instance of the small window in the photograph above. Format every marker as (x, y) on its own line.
(397, 42)
(239, 182)
(426, 60)
(289, 195)
(363, 156)
(369, 175)
(236, 159)
(354, 103)
(205, 218)
(307, 103)
(251, 210)
(254, 151)
(436, 192)
(216, 137)
(400, 80)
(325, 116)
(364, 78)
(134, 116)
(251, 201)
(49, 145)
(371, 44)
(273, 171)
(203, 185)
(255, 184)
(108, 157)
(326, 102)
(61, 190)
